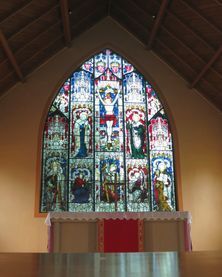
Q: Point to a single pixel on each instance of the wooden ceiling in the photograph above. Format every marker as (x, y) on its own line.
(186, 34)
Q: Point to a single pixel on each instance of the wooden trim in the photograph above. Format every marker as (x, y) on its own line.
(65, 21)
(10, 56)
(157, 22)
(207, 66)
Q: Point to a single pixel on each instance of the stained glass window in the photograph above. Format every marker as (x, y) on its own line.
(107, 144)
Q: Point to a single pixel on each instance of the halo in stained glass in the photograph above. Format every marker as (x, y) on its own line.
(107, 143)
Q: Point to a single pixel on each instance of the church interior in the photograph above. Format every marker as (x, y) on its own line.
(176, 45)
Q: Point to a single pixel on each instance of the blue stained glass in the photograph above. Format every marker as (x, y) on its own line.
(81, 131)
(107, 143)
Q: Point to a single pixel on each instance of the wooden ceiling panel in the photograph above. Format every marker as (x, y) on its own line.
(46, 52)
(86, 22)
(130, 24)
(196, 22)
(8, 8)
(218, 65)
(36, 44)
(35, 28)
(82, 11)
(74, 5)
(2, 55)
(168, 55)
(24, 17)
(210, 93)
(210, 10)
(5, 68)
(181, 50)
(151, 7)
(135, 12)
(188, 37)
(215, 79)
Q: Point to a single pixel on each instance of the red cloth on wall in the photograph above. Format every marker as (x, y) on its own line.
(120, 235)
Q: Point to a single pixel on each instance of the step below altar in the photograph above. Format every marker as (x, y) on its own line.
(118, 232)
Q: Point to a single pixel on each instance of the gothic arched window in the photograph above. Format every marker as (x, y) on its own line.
(107, 144)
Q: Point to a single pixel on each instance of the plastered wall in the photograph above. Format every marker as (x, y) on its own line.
(196, 125)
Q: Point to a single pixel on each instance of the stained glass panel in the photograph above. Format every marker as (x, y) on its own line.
(54, 180)
(162, 176)
(107, 144)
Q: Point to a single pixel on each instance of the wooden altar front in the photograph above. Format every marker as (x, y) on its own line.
(95, 232)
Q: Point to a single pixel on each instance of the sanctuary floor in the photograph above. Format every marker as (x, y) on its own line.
(152, 264)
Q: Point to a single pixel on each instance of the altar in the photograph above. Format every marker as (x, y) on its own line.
(118, 232)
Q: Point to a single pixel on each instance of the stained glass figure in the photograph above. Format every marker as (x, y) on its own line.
(136, 132)
(55, 180)
(107, 143)
(162, 176)
(137, 179)
(81, 129)
(81, 178)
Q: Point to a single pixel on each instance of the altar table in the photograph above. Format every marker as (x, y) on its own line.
(87, 232)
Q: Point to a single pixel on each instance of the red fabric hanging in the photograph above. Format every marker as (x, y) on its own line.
(120, 235)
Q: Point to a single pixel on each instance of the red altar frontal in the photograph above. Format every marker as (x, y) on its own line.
(118, 232)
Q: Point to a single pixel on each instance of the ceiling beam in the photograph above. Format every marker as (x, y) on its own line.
(65, 21)
(157, 22)
(207, 66)
(10, 56)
